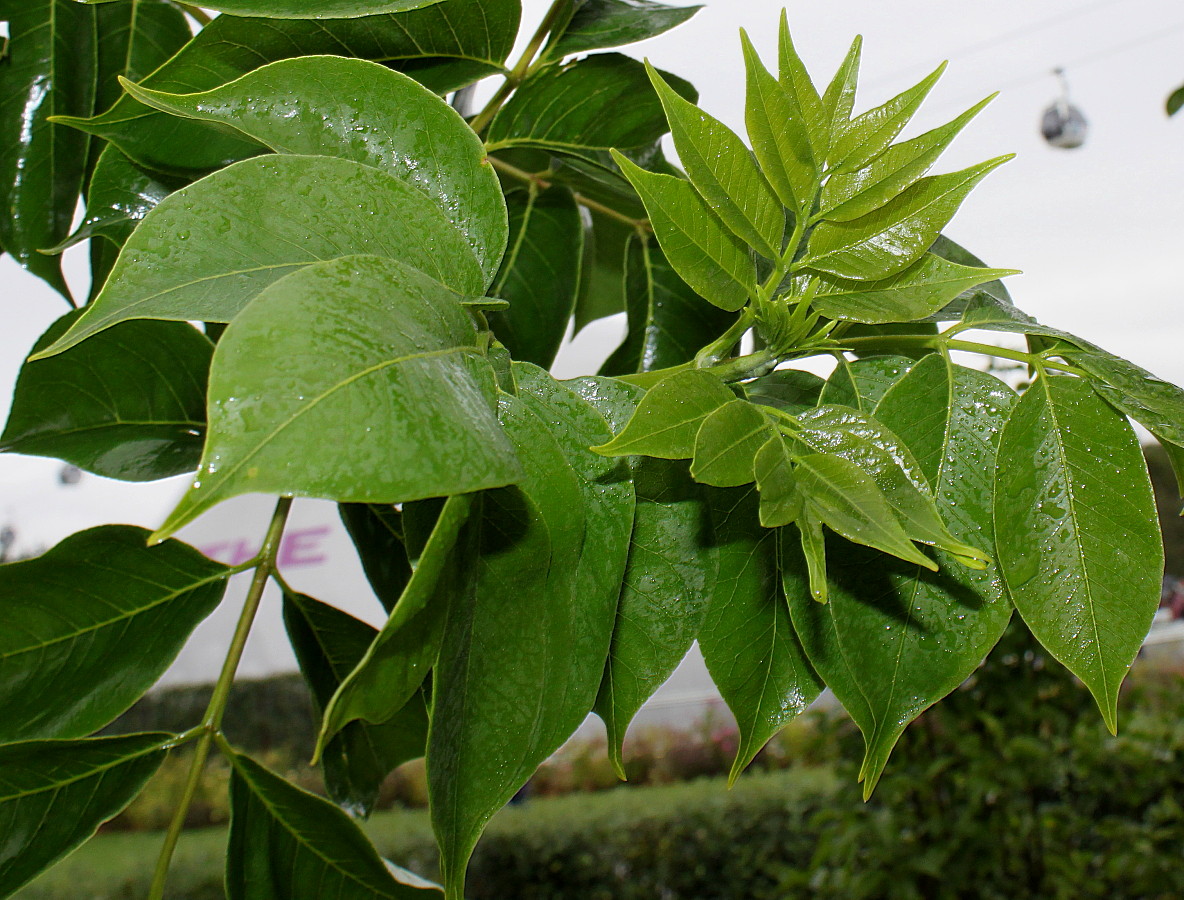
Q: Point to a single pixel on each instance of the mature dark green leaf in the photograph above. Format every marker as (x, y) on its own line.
(90, 626)
(607, 101)
(329, 644)
(791, 390)
(915, 293)
(891, 238)
(298, 367)
(727, 442)
(288, 844)
(55, 794)
(206, 251)
(895, 638)
(136, 37)
(668, 322)
(310, 9)
(598, 24)
(747, 639)
(712, 260)
(538, 275)
(130, 404)
(781, 501)
(850, 195)
(1078, 538)
(445, 46)
(49, 69)
(861, 383)
(870, 133)
(378, 535)
(723, 171)
(539, 610)
(359, 110)
(603, 269)
(669, 415)
(838, 99)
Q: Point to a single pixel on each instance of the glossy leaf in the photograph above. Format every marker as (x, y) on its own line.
(712, 260)
(313, 9)
(915, 293)
(861, 383)
(850, 195)
(891, 238)
(102, 614)
(669, 415)
(796, 80)
(870, 133)
(727, 442)
(329, 644)
(780, 132)
(839, 98)
(791, 390)
(539, 610)
(607, 101)
(1078, 538)
(445, 45)
(136, 37)
(537, 275)
(288, 844)
(598, 24)
(992, 292)
(378, 535)
(781, 501)
(129, 404)
(668, 322)
(747, 640)
(359, 110)
(244, 228)
(723, 172)
(54, 795)
(49, 69)
(373, 336)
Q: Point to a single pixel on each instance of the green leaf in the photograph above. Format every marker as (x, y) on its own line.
(727, 443)
(602, 272)
(377, 533)
(861, 383)
(311, 9)
(54, 795)
(713, 261)
(130, 404)
(723, 172)
(780, 131)
(598, 24)
(49, 69)
(781, 501)
(329, 644)
(360, 333)
(839, 98)
(539, 610)
(92, 624)
(791, 390)
(851, 195)
(992, 293)
(359, 110)
(607, 101)
(796, 80)
(136, 37)
(244, 228)
(870, 133)
(540, 274)
(288, 844)
(919, 291)
(747, 640)
(1175, 101)
(400, 656)
(668, 322)
(895, 638)
(669, 415)
(445, 45)
(1077, 534)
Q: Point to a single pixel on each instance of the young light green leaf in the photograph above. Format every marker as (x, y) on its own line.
(669, 415)
(362, 111)
(328, 644)
(378, 535)
(288, 844)
(54, 795)
(1077, 534)
(92, 624)
(537, 275)
(247, 226)
(850, 195)
(747, 640)
(708, 257)
(131, 404)
(861, 383)
(796, 80)
(599, 24)
(790, 390)
(839, 99)
(894, 236)
(311, 9)
(376, 336)
(915, 293)
(49, 69)
(727, 442)
(870, 133)
(781, 501)
(723, 172)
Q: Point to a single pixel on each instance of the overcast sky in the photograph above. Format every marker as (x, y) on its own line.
(1098, 231)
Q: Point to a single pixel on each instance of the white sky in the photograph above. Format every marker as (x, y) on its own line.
(1099, 231)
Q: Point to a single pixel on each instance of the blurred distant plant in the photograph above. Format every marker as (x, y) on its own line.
(1175, 101)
